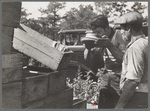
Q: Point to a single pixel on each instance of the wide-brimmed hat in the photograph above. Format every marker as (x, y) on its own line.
(128, 18)
(90, 36)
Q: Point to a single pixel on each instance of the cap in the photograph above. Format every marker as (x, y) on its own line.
(129, 18)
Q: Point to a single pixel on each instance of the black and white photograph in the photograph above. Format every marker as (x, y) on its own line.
(74, 55)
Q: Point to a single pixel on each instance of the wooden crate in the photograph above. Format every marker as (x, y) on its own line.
(57, 82)
(11, 95)
(7, 31)
(41, 48)
(10, 22)
(11, 67)
(6, 44)
(34, 88)
(79, 104)
(63, 99)
(11, 13)
(56, 79)
(8, 6)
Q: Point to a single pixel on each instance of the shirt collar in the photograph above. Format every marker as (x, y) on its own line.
(134, 39)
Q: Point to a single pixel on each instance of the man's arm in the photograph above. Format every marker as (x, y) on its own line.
(128, 90)
(118, 54)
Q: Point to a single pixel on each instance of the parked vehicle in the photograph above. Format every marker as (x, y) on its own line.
(72, 40)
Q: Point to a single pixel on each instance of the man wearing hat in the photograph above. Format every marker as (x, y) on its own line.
(134, 77)
(115, 46)
(93, 56)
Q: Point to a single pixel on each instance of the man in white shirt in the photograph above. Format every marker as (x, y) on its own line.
(134, 77)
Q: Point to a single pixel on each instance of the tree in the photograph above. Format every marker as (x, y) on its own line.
(78, 18)
(52, 18)
(138, 7)
(24, 14)
(110, 9)
(116, 9)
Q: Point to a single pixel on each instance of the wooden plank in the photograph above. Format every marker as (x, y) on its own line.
(12, 60)
(7, 22)
(34, 88)
(38, 44)
(58, 100)
(11, 16)
(63, 64)
(79, 104)
(34, 53)
(11, 74)
(10, 22)
(7, 6)
(42, 38)
(7, 15)
(40, 50)
(56, 82)
(11, 95)
(7, 30)
(13, 7)
(63, 99)
(11, 13)
(6, 44)
(11, 67)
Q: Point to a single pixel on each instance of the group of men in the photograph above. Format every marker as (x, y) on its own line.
(126, 58)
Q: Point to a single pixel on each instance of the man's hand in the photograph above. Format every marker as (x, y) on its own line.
(102, 42)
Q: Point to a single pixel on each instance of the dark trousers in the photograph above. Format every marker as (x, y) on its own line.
(138, 100)
(108, 98)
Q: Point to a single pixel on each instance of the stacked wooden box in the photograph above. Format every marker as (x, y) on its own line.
(11, 12)
(46, 90)
(11, 62)
(25, 89)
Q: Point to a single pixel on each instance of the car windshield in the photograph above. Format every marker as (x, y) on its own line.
(72, 38)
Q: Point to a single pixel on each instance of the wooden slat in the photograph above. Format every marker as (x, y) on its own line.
(11, 60)
(13, 7)
(10, 22)
(11, 13)
(34, 88)
(36, 43)
(7, 6)
(65, 60)
(11, 95)
(79, 104)
(42, 38)
(58, 100)
(32, 52)
(63, 99)
(11, 67)
(11, 16)
(11, 74)
(57, 82)
(40, 48)
(7, 30)
(6, 44)
(7, 15)
(37, 35)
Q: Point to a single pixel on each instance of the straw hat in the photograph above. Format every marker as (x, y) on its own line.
(90, 36)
